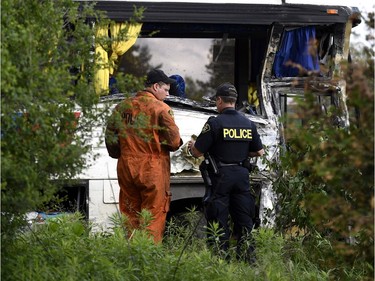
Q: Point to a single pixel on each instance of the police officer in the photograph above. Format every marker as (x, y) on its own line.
(230, 138)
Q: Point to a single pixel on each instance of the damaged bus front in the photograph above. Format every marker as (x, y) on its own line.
(263, 49)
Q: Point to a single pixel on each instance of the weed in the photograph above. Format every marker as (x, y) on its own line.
(65, 249)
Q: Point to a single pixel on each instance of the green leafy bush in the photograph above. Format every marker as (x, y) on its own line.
(44, 46)
(64, 248)
(326, 187)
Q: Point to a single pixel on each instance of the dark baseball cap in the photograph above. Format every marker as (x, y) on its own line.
(226, 90)
(157, 75)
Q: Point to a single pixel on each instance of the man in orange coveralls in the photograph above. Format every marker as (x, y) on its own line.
(146, 134)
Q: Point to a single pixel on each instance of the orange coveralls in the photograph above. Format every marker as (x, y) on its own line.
(143, 168)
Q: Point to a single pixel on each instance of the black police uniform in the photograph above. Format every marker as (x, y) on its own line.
(229, 138)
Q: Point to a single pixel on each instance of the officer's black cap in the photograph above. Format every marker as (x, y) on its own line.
(226, 90)
(157, 75)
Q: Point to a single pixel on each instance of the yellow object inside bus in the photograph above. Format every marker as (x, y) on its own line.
(123, 36)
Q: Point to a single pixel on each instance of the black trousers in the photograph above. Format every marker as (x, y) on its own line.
(231, 196)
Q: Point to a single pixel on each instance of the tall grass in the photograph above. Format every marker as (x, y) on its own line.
(66, 249)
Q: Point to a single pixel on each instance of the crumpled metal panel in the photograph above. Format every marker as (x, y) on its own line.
(190, 123)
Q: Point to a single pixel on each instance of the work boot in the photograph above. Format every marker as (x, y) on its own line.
(247, 255)
(251, 256)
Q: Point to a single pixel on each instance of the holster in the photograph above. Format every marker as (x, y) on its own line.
(208, 164)
(248, 165)
(207, 182)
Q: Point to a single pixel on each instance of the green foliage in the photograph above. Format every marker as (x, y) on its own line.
(326, 187)
(129, 84)
(64, 248)
(44, 46)
(49, 107)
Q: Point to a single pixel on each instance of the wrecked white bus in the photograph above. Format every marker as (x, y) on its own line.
(207, 43)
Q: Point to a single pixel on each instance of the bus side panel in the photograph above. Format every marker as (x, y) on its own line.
(103, 198)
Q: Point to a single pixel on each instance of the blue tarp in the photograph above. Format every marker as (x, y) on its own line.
(295, 48)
